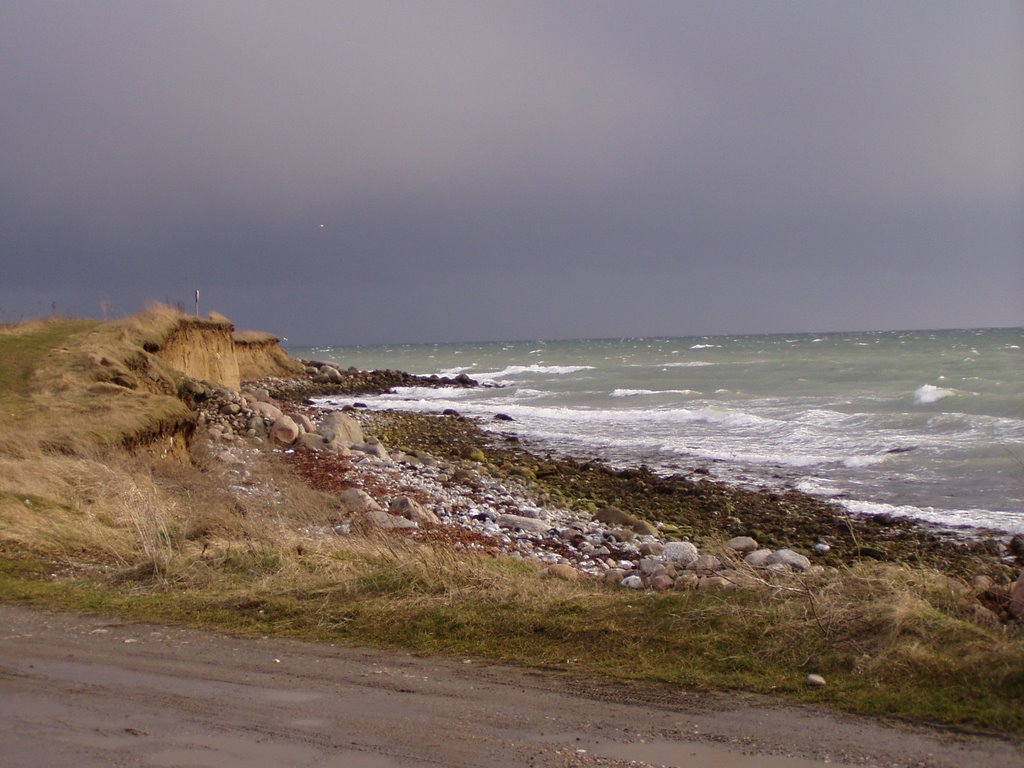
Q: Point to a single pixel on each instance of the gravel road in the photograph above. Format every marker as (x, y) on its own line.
(89, 691)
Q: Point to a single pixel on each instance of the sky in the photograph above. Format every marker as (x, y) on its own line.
(375, 172)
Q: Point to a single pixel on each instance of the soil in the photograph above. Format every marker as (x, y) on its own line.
(90, 691)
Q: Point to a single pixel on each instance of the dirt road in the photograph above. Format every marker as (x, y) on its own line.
(86, 691)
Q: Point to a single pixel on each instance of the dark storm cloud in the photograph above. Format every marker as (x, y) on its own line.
(516, 169)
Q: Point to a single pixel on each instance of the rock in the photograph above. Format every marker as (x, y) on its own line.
(1016, 606)
(681, 552)
(661, 582)
(741, 544)
(719, 583)
(652, 548)
(815, 680)
(822, 548)
(474, 454)
(305, 422)
(381, 519)
(449, 412)
(523, 523)
(268, 411)
(410, 509)
(705, 563)
(372, 449)
(632, 582)
(358, 501)
(227, 457)
(312, 442)
(758, 558)
(644, 528)
(687, 581)
(981, 583)
(341, 428)
(614, 575)
(649, 566)
(615, 516)
(284, 430)
(562, 571)
(788, 557)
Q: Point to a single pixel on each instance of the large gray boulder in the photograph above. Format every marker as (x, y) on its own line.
(358, 501)
(381, 519)
(284, 430)
(410, 509)
(788, 557)
(268, 411)
(680, 552)
(523, 523)
(339, 427)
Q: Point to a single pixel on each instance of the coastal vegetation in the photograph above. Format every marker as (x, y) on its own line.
(113, 499)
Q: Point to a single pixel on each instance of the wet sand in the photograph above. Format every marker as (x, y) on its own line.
(89, 691)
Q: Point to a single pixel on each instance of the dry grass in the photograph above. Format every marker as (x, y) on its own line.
(194, 540)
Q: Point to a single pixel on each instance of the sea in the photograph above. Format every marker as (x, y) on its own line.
(926, 424)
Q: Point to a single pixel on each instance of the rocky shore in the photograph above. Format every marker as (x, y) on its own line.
(442, 478)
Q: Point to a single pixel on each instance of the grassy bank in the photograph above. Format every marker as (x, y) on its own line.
(89, 524)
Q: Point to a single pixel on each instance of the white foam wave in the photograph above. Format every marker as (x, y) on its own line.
(929, 393)
(639, 392)
(706, 346)
(689, 364)
(537, 368)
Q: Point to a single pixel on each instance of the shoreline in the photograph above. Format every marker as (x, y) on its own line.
(685, 507)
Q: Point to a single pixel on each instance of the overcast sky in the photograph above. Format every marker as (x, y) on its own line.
(360, 172)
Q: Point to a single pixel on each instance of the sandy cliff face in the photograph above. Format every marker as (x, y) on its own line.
(211, 350)
(260, 355)
(203, 350)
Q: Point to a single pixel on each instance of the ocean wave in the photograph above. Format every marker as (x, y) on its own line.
(706, 346)
(688, 364)
(536, 368)
(639, 392)
(929, 393)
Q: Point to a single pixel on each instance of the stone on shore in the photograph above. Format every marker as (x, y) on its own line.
(743, 544)
(381, 519)
(284, 430)
(788, 557)
(680, 552)
(1017, 597)
(357, 501)
(523, 523)
(758, 558)
(410, 509)
(339, 427)
(562, 571)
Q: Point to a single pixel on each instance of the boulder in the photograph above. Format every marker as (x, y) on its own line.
(687, 581)
(521, 523)
(381, 519)
(341, 428)
(375, 449)
(268, 411)
(661, 582)
(706, 563)
(632, 582)
(743, 544)
(358, 501)
(680, 552)
(410, 509)
(562, 571)
(758, 558)
(312, 442)
(788, 557)
(1017, 597)
(718, 583)
(305, 422)
(284, 430)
